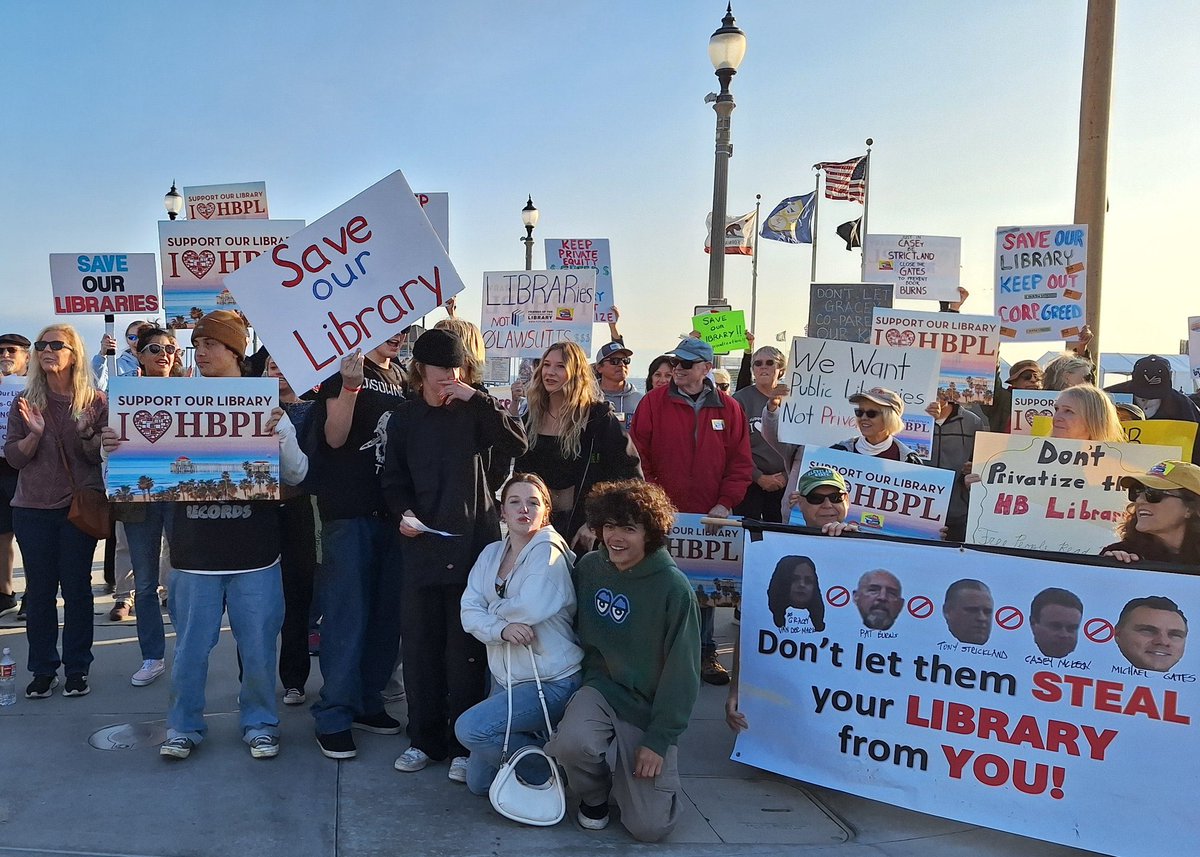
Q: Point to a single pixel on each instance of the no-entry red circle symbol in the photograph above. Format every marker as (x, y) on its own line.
(1010, 618)
(920, 606)
(1099, 630)
(837, 596)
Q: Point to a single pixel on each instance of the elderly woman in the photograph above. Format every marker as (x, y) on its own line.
(764, 497)
(1163, 520)
(1068, 371)
(1085, 412)
(53, 443)
(878, 413)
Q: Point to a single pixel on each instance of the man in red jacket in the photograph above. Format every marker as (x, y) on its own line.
(694, 442)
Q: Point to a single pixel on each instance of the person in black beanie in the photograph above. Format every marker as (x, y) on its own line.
(432, 451)
(1154, 392)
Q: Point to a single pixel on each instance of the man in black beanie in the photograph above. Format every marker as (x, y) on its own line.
(1153, 392)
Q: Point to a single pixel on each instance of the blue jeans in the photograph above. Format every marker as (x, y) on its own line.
(56, 553)
(255, 603)
(708, 644)
(145, 547)
(358, 588)
(481, 729)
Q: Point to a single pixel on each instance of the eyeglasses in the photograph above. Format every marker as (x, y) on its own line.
(770, 362)
(676, 363)
(155, 348)
(9, 350)
(1152, 495)
(54, 345)
(722, 386)
(816, 499)
(618, 361)
(871, 414)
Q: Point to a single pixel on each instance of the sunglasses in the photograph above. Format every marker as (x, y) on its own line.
(815, 498)
(155, 348)
(618, 361)
(1029, 375)
(676, 363)
(764, 362)
(1152, 495)
(871, 414)
(721, 386)
(9, 350)
(55, 345)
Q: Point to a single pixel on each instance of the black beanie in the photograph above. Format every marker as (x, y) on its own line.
(442, 348)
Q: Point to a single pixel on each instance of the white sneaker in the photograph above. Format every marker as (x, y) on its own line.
(294, 696)
(458, 769)
(151, 669)
(411, 760)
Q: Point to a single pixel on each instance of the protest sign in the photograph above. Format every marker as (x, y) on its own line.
(1028, 405)
(1031, 721)
(502, 394)
(846, 311)
(968, 344)
(712, 562)
(437, 211)
(525, 312)
(892, 498)
(10, 387)
(192, 439)
(1174, 433)
(104, 283)
(1053, 494)
(1194, 349)
(922, 267)
(197, 257)
(822, 373)
(1041, 281)
(242, 201)
(724, 331)
(497, 370)
(591, 253)
(353, 279)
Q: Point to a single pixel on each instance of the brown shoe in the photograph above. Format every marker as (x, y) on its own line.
(712, 671)
(119, 612)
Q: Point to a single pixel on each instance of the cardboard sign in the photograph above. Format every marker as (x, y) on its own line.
(437, 210)
(104, 283)
(10, 387)
(192, 439)
(845, 312)
(922, 267)
(1045, 728)
(197, 257)
(590, 253)
(822, 373)
(1041, 282)
(242, 201)
(969, 345)
(1040, 493)
(359, 275)
(891, 498)
(712, 562)
(1194, 349)
(724, 331)
(497, 370)
(525, 312)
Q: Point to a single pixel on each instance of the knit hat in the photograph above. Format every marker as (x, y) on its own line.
(438, 347)
(1152, 377)
(226, 327)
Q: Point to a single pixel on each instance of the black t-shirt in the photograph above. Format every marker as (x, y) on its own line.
(224, 536)
(346, 483)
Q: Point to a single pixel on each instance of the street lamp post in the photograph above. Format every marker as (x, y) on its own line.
(173, 202)
(726, 48)
(529, 216)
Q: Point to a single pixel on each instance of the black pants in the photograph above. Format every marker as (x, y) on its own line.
(761, 505)
(445, 668)
(299, 564)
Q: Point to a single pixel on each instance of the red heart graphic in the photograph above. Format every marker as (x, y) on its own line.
(152, 426)
(206, 209)
(199, 263)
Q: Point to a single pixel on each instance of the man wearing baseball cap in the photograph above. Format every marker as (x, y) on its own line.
(14, 361)
(612, 365)
(694, 441)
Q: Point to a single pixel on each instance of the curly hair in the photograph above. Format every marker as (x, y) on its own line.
(631, 502)
(579, 392)
(655, 364)
(1151, 547)
(779, 592)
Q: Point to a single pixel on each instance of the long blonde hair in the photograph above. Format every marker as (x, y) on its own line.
(1098, 412)
(472, 341)
(580, 392)
(83, 392)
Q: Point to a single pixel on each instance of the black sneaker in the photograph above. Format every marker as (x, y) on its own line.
(338, 745)
(712, 671)
(381, 724)
(21, 616)
(592, 817)
(177, 748)
(77, 685)
(8, 603)
(41, 686)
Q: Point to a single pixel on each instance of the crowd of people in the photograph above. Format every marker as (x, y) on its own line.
(518, 551)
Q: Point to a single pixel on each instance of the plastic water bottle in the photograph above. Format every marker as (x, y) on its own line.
(8, 679)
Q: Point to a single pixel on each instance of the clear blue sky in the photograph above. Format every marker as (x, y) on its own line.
(596, 109)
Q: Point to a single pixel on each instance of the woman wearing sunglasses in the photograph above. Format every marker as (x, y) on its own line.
(127, 360)
(1163, 520)
(878, 413)
(764, 497)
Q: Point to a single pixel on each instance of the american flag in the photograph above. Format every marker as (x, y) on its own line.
(845, 179)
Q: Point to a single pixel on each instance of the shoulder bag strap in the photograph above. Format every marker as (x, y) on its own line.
(508, 685)
(541, 693)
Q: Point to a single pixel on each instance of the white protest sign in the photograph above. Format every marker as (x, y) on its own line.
(104, 283)
(1041, 281)
(822, 373)
(1041, 493)
(1194, 349)
(1027, 405)
(525, 312)
(593, 253)
(10, 387)
(437, 208)
(352, 279)
(968, 344)
(923, 267)
(241, 201)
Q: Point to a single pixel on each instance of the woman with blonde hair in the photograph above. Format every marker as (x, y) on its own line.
(1085, 412)
(575, 439)
(54, 443)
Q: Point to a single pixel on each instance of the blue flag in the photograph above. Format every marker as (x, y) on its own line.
(791, 221)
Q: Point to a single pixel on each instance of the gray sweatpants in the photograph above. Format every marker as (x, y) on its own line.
(597, 750)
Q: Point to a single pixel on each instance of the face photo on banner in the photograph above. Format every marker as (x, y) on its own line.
(1041, 282)
(922, 267)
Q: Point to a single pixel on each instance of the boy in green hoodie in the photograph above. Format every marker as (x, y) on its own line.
(638, 625)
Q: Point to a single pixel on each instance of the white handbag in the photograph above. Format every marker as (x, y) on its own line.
(543, 805)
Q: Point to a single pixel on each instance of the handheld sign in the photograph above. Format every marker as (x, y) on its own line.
(968, 345)
(10, 387)
(724, 331)
(712, 562)
(923, 267)
(353, 279)
(590, 253)
(437, 209)
(525, 312)
(1194, 349)
(242, 201)
(1028, 406)
(1041, 281)
(844, 312)
(104, 283)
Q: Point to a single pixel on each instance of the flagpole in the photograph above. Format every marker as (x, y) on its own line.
(754, 263)
(862, 233)
(816, 212)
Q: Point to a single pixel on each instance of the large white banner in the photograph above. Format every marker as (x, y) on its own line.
(525, 312)
(590, 253)
(353, 279)
(104, 283)
(1041, 281)
(994, 689)
(923, 267)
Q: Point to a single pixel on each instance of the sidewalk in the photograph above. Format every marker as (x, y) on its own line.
(61, 795)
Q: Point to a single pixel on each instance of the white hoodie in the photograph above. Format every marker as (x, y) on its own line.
(539, 593)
